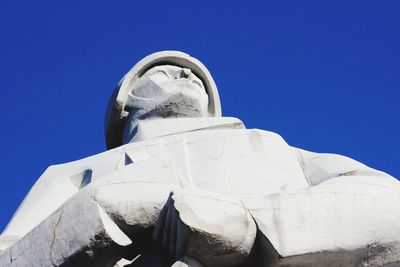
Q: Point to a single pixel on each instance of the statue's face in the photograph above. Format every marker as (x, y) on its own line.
(169, 91)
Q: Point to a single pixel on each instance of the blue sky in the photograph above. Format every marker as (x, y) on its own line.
(323, 74)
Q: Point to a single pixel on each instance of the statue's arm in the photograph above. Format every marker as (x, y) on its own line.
(52, 189)
(79, 233)
(349, 206)
(56, 185)
(98, 222)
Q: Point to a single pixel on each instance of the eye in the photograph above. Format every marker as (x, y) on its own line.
(198, 83)
(160, 73)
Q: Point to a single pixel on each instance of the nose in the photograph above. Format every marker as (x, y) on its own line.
(184, 73)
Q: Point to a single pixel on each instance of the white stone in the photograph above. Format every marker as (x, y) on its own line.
(79, 232)
(190, 213)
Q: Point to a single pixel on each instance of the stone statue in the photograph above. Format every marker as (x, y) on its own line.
(182, 186)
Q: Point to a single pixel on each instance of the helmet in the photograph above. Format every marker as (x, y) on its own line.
(117, 112)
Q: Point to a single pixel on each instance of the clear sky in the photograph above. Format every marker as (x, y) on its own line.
(323, 74)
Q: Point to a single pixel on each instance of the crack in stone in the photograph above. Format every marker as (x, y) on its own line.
(54, 237)
(19, 255)
(349, 173)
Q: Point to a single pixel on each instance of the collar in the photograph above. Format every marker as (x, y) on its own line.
(148, 129)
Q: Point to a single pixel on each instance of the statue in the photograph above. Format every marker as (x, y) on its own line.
(182, 186)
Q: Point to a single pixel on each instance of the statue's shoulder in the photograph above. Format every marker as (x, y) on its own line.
(319, 167)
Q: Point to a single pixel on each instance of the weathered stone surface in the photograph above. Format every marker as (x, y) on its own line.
(78, 234)
(207, 226)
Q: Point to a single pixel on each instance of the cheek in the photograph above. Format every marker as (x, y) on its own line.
(204, 105)
(203, 98)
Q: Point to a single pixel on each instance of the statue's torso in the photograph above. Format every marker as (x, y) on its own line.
(238, 162)
(253, 166)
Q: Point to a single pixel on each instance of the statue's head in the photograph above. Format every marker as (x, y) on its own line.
(167, 91)
(168, 84)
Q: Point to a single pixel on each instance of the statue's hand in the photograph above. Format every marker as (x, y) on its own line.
(209, 227)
